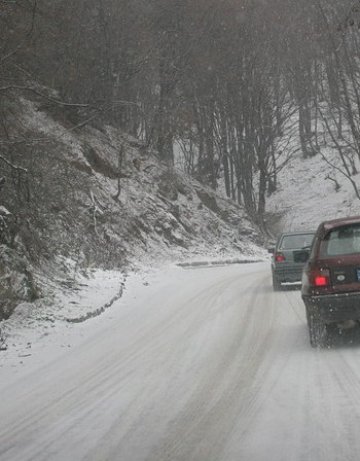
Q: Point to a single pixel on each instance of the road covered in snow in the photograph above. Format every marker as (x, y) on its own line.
(200, 364)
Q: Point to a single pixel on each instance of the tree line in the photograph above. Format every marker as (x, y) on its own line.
(229, 88)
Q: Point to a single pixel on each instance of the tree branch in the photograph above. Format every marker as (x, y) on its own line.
(12, 166)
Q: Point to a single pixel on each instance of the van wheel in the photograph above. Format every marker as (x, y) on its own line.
(317, 331)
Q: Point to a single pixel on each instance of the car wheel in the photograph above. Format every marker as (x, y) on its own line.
(275, 283)
(317, 330)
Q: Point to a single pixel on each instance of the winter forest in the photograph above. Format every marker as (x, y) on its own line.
(225, 91)
(175, 281)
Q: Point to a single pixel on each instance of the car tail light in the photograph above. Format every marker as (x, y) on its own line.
(279, 258)
(320, 278)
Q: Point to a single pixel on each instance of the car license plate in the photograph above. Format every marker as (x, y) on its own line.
(358, 274)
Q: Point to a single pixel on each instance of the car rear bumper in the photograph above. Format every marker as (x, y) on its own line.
(334, 307)
(288, 274)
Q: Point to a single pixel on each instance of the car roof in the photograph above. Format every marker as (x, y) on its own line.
(297, 233)
(333, 223)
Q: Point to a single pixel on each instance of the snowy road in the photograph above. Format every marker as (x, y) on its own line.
(203, 364)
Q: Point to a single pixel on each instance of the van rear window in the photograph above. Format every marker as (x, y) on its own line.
(295, 242)
(341, 241)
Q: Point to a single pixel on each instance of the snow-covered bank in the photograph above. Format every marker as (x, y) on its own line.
(103, 199)
(305, 197)
(48, 321)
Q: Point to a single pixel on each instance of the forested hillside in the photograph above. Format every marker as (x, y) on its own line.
(228, 92)
(223, 80)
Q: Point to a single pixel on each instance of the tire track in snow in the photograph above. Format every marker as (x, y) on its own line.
(201, 430)
(72, 401)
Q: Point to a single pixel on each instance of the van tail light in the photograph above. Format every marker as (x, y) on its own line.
(320, 278)
(279, 258)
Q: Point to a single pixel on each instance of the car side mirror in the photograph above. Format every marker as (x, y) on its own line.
(271, 250)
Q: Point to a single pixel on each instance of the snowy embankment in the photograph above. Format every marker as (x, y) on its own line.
(117, 220)
(306, 196)
(72, 302)
(102, 199)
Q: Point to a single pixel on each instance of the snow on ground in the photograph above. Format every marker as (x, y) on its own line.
(38, 332)
(82, 308)
(160, 216)
(305, 198)
(157, 214)
(35, 326)
(198, 365)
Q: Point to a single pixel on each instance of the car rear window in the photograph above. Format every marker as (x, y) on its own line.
(344, 240)
(296, 241)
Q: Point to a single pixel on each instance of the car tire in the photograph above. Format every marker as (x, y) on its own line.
(317, 330)
(275, 283)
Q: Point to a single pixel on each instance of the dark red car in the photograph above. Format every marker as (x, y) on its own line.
(331, 277)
